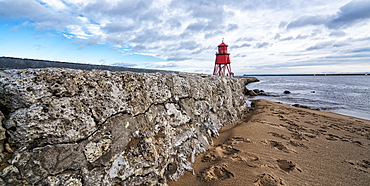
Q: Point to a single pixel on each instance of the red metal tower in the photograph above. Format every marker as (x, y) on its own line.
(222, 61)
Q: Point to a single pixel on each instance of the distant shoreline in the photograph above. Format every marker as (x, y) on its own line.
(346, 74)
(25, 63)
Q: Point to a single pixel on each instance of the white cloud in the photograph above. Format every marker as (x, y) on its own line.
(68, 36)
(185, 34)
(54, 4)
(77, 31)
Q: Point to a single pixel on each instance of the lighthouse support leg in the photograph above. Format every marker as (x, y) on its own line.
(216, 70)
(219, 70)
(222, 69)
(229, 69)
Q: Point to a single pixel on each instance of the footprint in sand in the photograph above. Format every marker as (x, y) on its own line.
(286, 165)
(345, 138)
(278, 145)
(245, 157)
(332, 137)
(235, 140)
(357, 142)
(297, 144)
(222, 151)
(362, 165)
(268, 180)
(228, 152)
(282, 136)
(311, 133)
(216, 172)
(298, 136)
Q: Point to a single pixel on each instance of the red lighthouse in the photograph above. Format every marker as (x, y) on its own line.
(222, 62)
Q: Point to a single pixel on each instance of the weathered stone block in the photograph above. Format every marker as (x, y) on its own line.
(104, 128)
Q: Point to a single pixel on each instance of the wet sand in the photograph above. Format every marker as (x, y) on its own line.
(276, 144)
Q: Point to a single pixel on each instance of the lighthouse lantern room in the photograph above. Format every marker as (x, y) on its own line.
(222, 62)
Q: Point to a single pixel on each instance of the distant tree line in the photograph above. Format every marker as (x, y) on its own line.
(24, 63)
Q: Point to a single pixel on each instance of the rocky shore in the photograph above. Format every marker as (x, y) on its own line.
(75, 127)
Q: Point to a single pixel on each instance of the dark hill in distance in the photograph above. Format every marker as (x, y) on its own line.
(24, 63)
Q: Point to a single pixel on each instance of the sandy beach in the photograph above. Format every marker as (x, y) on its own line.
(276, 144)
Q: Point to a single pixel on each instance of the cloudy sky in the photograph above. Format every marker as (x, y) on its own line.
(264, 36)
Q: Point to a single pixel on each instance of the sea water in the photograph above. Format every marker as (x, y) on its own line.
(347, 95)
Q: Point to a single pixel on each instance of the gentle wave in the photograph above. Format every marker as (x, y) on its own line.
(348, 95)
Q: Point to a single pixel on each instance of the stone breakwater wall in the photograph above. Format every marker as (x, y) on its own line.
(75, 127)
